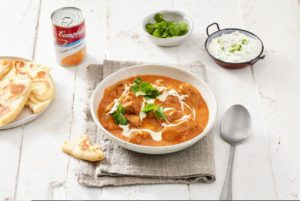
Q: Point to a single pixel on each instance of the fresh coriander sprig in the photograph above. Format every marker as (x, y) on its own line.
(158, 110)
(144, 88)
(118, 115)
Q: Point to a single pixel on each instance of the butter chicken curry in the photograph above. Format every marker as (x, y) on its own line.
(153, 110)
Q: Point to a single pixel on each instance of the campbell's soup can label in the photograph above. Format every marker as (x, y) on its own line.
(69, 35)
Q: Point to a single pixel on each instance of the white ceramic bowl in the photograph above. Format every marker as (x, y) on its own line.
(169, 15)
(172, 72)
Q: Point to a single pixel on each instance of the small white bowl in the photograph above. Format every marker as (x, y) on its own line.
(168, 71)
(169, 15)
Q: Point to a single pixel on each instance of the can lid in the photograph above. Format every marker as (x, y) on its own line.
(67, 17)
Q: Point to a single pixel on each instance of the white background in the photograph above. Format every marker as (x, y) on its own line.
(267, 166)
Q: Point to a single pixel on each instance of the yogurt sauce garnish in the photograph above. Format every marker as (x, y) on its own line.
(157, 136)
(235, 47)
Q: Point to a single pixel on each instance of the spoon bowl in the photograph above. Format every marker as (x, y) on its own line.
(236, 124)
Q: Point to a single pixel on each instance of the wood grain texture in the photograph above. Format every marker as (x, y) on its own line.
(252, 168)
(266, 166)
(43, 167)
(96, 20)
(14, 42)
(126, 41)
(277, 81)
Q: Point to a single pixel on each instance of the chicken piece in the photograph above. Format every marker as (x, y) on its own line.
(173, 102)
(139, 136)
(152, 123)
(131, 103)
(173, 115)
(134, 120)
(109, 123)
(115, 91)
(191, 92)
(179, 132)
(159, 82)
(120, 89)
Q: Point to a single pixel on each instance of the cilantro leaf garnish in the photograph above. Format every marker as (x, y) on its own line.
(149, 107)
(118, 115)
(235, 48)
(144, 88)
(159, 113)
(158, 110)
(136, 85)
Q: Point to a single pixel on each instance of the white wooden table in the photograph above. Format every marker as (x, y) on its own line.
(267, 166)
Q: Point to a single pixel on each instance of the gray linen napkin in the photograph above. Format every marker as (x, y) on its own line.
(124, 167)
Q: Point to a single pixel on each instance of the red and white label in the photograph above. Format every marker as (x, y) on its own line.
(67, 35)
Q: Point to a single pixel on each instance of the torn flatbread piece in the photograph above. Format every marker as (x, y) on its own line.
(81, 148)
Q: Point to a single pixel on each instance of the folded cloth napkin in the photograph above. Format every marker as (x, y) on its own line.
(124, 167)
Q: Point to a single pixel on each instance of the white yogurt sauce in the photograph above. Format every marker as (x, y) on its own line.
(184, 118)
(156, 136)
(115, 106)
(143, 114)
(117, 101)
(235, 47)
(163, 97)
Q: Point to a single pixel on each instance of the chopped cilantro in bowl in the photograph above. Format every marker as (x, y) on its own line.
(162, 28)
(167, 27)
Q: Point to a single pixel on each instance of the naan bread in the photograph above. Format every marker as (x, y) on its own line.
(42, 91)
(42, 87)
(82, 149)
(23, 83)
(15, 89)
(5, 66)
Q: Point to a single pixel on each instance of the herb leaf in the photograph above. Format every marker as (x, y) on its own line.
(178, 29)
(245, 41)
(235, 47)
(136, 84)
(118, 115)
(149, 107)
(158, 110)
(145, 88)
(150, 28)
(159, 113)
(158, 17)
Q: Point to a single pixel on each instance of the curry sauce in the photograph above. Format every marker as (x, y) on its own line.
(153, 110)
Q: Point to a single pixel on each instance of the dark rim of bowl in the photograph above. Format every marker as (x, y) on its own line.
(236, 29)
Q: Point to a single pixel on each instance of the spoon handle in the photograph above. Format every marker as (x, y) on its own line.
(227, 188)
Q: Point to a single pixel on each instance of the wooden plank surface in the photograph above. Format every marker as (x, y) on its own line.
(277, 81)
(252, 167)
(33, 165)
(126, 41)
(17, 37)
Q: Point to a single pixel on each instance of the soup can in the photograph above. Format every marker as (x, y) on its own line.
(69, 36)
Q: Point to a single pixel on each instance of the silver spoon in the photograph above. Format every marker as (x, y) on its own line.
(235, 127)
